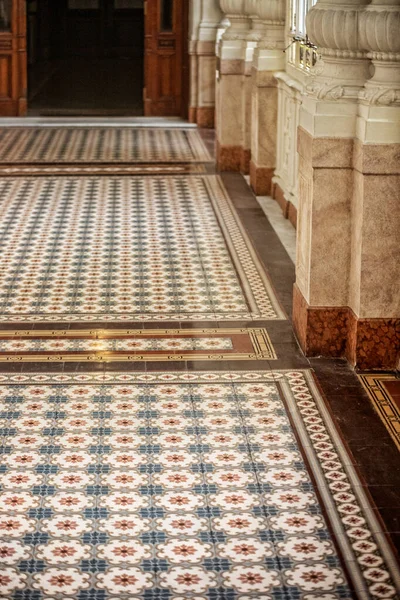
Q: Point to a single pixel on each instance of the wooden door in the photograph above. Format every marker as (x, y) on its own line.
(165, 31)
(13, 62)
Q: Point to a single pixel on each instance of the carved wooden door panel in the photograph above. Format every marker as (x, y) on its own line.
(13, 65)
(166, 28)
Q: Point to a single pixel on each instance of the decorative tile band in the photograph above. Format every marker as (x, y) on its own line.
(383, 401)
(93, 145)
(181, 485)
(134, 169)
(135, 345)
(110, 249)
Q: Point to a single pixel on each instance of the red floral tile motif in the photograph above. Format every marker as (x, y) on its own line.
(127, 249)
(190, 486)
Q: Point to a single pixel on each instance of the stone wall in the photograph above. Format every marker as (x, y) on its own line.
(324, 140)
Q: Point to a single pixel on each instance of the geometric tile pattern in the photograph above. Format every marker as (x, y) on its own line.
(100, 145)
(132, 169)
(117, 345)
(384, 402)
(126, 249)
(135, 345)
(177, 486)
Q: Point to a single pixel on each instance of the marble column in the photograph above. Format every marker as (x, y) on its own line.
(268, 58)
(344, 298)
(206, 16)
(374, 294)
(253, 37)
(230, 97)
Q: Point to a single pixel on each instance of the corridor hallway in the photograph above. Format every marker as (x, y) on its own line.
(162, 435)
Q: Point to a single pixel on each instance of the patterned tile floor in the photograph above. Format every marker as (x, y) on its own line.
(136, 345)
(100, 145)
(126, 248)
(212, 478)
(179, 486)
(384, 392)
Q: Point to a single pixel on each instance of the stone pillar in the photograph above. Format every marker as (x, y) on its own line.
(374, 295)
(253, 37)
(268, 58)
(230, 72)
(206, 16)
(344, 298)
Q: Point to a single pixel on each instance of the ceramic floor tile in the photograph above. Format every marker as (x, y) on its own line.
(168, 485)
(74, 345)
(125, 249)
(100, 145)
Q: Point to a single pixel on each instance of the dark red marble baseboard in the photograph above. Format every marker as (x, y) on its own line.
(288, 208)
(229, 158)
(373, 343)
(245, 161)
(338, 332)
(192, 117)
(261, 179)
(206, 117)
(203, 116)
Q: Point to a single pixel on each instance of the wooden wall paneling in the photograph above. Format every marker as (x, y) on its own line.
(165, 58)
(13, 66)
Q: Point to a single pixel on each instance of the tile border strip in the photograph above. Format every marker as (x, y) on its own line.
(361, 538)
(106, 169)
(259, 338)
(383, 402)
(258, 289)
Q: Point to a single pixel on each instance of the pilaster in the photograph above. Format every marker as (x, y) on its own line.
(268, 58)
(203, 64)
(374, 292)
(230, 97)
(346, 300)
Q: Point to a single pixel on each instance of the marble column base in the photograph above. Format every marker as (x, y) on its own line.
(206, 117)
(261, 179)
(203, 116)
(229, 158)
(338, 332)
(245, 161)
(192, 117)
(288, 208)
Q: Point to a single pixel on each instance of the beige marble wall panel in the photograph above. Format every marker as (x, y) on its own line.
(230, 111)
(247, 111)
(206, 94)
(376, 158)
(380, 266)
(324, 222)
(232, 67)
(325, 152)
(331, 237)
(194, 78)
(304, 228)
(264, 108)
(356, 242)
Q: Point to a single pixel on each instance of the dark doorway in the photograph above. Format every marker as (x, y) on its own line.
(85, 57)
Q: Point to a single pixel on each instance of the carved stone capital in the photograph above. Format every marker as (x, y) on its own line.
(239, 21)
(342, 67)
(271, 12)
(334, 26)
(379, 31)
